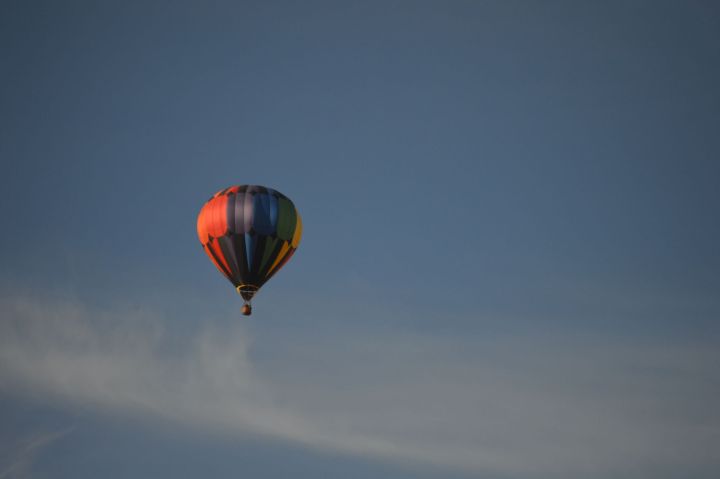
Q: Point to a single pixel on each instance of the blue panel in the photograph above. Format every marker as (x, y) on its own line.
(250, 249)
(261, 214)
(273, 212)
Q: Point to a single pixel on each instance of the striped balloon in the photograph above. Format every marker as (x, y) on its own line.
(249, 232)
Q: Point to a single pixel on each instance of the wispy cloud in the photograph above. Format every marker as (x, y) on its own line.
(19, 460)
(531, 406)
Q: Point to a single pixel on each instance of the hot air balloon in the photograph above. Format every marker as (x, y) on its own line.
(249, 232)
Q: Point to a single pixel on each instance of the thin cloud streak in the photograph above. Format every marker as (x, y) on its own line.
(531, 406)
(20, 463)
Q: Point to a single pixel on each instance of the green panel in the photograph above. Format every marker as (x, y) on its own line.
(270, 244)
(287, 219)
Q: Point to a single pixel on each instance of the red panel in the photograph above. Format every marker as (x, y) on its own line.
(215, 216)
(202, 225)
(212, 220)
(214, 246)
(220, 268)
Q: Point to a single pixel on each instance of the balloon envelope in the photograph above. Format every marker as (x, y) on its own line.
(249, 232)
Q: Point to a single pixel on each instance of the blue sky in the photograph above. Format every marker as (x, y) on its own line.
(509, 266)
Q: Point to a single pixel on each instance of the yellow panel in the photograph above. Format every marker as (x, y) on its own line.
(298, 232)
(281, 254)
